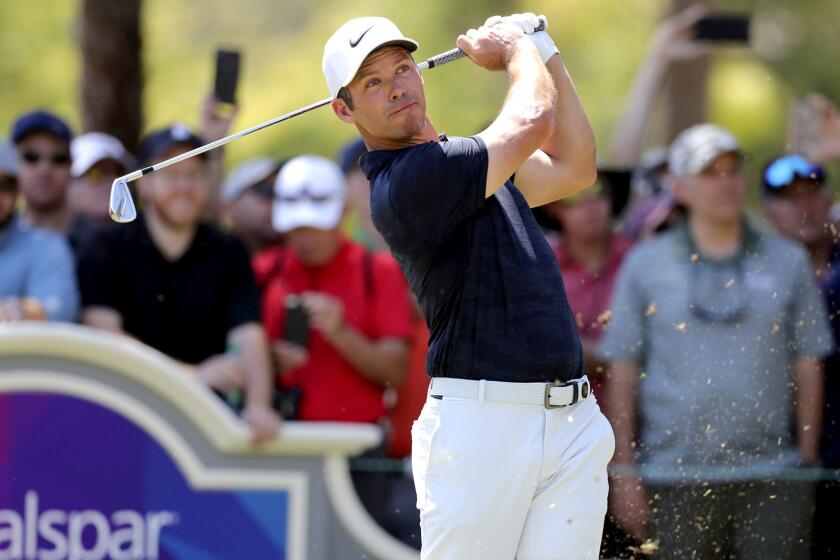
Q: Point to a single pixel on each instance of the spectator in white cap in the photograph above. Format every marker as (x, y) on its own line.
(247, 196)
(728, 326)
(356, 304)
(98, 159)
(37, 278)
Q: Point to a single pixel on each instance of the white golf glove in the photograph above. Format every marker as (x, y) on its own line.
(527, 22)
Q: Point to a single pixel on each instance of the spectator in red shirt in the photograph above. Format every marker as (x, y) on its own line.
(356, 302)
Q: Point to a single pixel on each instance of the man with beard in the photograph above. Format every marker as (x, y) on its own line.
(181, 286)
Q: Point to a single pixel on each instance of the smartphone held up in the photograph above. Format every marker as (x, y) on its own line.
(227, 75)
(723, 28)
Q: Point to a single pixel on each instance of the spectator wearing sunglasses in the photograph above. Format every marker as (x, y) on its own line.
(98, 159)
(247, 197)
(715, 382)
(797, 200)
(37, 277)
(43, 143)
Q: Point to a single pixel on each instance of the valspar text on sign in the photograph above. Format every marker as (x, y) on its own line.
(55, 534)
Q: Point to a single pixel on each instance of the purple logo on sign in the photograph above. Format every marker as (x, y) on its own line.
(79, 481)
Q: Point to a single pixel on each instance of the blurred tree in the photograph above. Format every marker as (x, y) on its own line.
(111, 73)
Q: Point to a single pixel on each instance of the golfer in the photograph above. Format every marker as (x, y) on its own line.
(510, 451)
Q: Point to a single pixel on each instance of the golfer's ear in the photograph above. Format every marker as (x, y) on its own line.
(341, 110)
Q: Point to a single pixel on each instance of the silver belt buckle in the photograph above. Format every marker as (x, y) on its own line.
(547, 399)
(580, 390)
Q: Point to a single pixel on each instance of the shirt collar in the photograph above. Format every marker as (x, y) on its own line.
(344, 250)
(373, 162)
(619, 246)
(751, 241)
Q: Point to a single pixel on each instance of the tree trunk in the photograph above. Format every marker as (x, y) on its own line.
(687, 87)
(111, 69)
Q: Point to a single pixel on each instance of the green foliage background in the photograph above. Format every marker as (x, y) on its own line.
(602, 41)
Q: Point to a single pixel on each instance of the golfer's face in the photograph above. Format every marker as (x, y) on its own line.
(388, 96)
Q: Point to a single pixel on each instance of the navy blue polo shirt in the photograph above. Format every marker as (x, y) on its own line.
(486, 279)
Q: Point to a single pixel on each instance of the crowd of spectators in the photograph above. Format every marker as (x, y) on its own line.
(709, 329)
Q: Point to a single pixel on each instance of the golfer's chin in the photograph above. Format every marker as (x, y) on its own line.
(408, 125)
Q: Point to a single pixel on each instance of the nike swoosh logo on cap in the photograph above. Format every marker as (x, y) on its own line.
(356, 42)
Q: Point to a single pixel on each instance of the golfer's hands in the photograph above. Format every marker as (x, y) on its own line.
(492, 47)
(222, 372)
(288, 356)
(629, 505)
(263, 421)
(528, 23)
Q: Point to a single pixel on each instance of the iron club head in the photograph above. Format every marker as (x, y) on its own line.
(121, 207)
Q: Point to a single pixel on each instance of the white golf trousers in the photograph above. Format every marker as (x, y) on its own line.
(503, 481)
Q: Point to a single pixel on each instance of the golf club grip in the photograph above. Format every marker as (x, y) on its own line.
(455, 54)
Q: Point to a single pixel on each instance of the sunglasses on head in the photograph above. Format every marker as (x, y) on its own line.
(264, 189)
(58, 158)
(787, 169)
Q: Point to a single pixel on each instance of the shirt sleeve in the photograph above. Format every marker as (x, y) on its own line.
(625, 338)
(391, 299)
(438, 185)
(812, 336)
(53, 280)
(243, 304)
(98, 273)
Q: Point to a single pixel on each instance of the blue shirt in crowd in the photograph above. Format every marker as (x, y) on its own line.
(38, 264)
(486, 279)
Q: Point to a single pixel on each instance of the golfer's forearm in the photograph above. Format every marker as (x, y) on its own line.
(808, 382)
(622, 379)
(572, 141)
(382, 362)
(532, 97)
(253, 351)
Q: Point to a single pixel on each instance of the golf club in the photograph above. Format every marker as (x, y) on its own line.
(121, 206)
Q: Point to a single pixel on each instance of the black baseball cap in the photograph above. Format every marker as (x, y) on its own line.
(40, 121)
(157, 143)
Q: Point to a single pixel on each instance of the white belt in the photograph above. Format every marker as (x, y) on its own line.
(549, 395)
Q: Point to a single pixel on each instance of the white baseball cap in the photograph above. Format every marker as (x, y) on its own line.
(246, 175)
(310, 191)
(348, 48)
(697, 147)
(91, 148)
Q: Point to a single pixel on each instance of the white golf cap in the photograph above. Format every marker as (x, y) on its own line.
(697, 147)
(348, 48)
(91, 148)
(309, 192)
(246, 175)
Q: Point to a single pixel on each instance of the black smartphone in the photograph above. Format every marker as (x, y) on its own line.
(227, 75)
(297, 322)
(734, 28)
